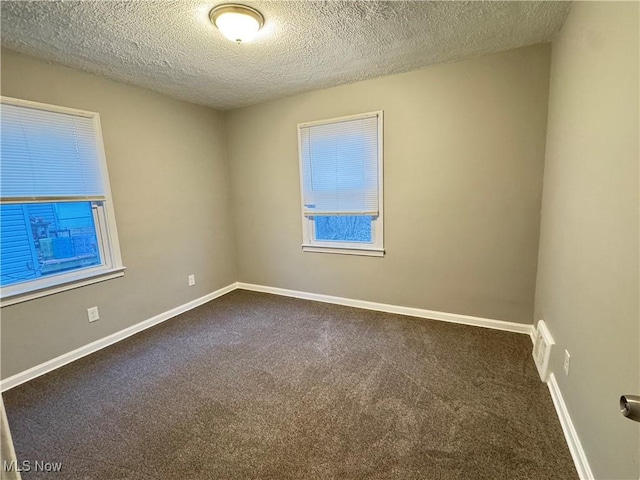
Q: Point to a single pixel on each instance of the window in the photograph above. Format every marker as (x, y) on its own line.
(341, 185)
(57, 228)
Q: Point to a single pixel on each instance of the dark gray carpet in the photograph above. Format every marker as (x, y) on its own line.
(259, 386)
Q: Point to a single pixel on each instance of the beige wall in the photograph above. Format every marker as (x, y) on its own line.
(588, 270)
(464, 152)
(169, 180)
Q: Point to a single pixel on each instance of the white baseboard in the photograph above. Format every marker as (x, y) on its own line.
(570, 434)
(409, 311)
(58, 362)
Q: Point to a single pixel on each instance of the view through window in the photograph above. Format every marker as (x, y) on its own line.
(40, 239)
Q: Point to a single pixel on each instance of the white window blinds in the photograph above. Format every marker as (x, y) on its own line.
(340, 167)
(48, 154)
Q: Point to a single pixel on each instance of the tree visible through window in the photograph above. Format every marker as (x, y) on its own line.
(344, 228)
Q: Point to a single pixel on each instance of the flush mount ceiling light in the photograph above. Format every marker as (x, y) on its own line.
(238, 23)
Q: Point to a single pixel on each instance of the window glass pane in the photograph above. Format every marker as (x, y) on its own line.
(43, 239)
(344, 228)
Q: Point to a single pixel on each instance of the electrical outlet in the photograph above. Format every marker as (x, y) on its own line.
(192, 280)
(92, 313)
(567, 361)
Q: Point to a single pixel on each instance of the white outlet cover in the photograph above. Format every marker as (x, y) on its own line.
(93, 314)
(567, 362)
(192, 280)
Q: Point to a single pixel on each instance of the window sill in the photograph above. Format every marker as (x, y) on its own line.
(61, 286)
(366, 251)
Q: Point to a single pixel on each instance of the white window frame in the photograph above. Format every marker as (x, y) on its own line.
(376, 247)
(104, 220)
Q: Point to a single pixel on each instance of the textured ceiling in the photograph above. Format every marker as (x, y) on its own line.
(171, 47)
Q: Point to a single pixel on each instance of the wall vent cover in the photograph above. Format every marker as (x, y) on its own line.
(542, 350)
